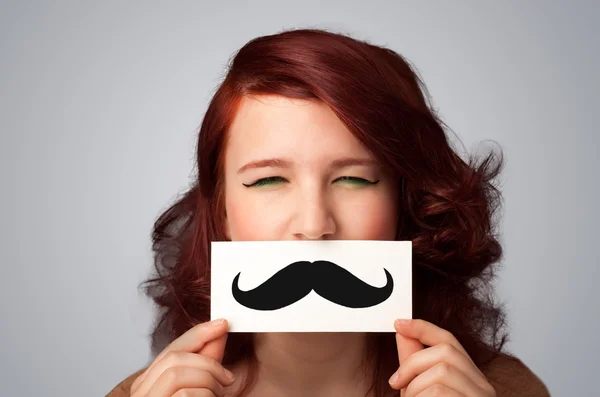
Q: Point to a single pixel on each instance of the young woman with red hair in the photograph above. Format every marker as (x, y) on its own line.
(317, 135)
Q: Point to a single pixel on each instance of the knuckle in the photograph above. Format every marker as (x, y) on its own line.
(446, 349)
(169, 375)
(171, 358)
(443, 370)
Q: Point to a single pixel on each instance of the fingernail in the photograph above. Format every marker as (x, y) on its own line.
(402, 321)
(229, 375)
(218, 322)
(394, 378)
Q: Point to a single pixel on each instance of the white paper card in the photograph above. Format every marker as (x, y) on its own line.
(311, 286)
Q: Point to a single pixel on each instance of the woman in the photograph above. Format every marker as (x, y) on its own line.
(316, 135)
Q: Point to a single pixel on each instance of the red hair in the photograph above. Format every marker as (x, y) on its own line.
(447, 205)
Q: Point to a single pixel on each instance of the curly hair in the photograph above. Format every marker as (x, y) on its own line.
(448, 206)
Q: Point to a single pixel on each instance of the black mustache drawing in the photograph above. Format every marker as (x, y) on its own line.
(327, 279)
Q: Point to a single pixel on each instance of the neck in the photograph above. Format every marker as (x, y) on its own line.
(301, 364)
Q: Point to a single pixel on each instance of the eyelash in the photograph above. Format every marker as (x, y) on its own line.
(267, 181)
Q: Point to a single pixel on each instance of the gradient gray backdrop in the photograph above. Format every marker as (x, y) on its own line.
(99, 107)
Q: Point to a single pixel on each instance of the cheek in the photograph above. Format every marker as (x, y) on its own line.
(371, 218)
(250, 219)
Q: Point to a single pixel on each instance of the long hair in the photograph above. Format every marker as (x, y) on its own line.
(447, 206)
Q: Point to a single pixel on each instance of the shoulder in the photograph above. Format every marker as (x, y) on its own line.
(122, 389)
(512, 378)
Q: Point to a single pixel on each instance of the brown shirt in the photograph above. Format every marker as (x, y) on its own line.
(509, 376)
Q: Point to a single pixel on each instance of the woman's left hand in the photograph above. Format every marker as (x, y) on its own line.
(442, 370)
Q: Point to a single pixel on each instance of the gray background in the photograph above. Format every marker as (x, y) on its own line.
(99, 107)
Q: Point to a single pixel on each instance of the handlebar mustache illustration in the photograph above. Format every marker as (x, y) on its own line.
(327, 279)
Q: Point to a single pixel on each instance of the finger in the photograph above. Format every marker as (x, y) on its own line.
(176, 378)
(194, 393)
(196, 337)
(184, 359)
(443, 374)
(427, 333)
(136, 381)
(425, 359)
(215, 348)
(191, 341)
(439, 390)
(407, 346)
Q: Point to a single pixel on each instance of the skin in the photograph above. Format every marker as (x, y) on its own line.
(309, 200)
(293, 171)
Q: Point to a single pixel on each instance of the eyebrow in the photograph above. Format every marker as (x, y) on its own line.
(284, 163)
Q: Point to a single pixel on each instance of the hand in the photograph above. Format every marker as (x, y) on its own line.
(189, 366)
(443, 370)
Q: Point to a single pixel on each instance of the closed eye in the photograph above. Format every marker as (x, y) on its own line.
(276, 180)
(356, 181)
(272, 180)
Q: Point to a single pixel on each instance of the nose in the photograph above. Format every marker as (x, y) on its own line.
(313, 218)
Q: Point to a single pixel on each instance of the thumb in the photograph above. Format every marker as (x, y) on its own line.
(215, 348)
(407, 346)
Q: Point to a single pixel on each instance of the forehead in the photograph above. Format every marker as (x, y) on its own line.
(275, 126)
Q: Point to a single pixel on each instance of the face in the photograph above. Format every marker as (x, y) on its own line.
(293, 171)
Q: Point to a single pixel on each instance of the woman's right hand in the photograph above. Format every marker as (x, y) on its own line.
(190, 366)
